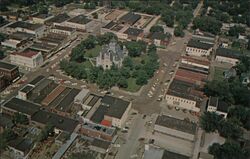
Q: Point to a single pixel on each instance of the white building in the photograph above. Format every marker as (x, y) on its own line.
(28, 59)
(17, 39)
(195, 62)
(227, 56)
(218, 106)
(196, 48)
(111, 54)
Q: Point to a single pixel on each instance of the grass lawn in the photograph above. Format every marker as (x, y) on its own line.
(218, 73)
(93, 52)
(132, 86)
(87, 64)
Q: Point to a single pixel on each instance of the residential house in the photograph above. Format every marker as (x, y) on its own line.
(228, 56)
(218, 106)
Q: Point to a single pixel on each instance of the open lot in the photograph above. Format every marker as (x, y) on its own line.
(218, 73)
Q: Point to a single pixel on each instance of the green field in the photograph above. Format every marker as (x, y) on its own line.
(93, 52)
(132, 86)
(218, 73)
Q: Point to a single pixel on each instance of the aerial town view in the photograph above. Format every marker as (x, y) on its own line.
(125, 79)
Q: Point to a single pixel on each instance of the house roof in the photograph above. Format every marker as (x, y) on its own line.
(80, 19)
(228, 53)
(133, 31)
(7, 66)
(60, 122)
(200, 45)
(21, 36)
(116, 106)
(22, 106)
(189, 59)
(176, 124)
(130, 18)
(25, 25)
(191, 76)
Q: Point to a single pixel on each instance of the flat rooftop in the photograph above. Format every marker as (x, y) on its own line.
(176, 124)
(66, 102)
(64, 28)
(101, 143)
(198, 44)
(228, 53)
(80, 19)
(36, 80)
(42, 16)
(172, 155)
(27, 89)
(20, 36)
(60, 122)
(22, 106)
(7, 66)
(133, 31)
(116, 106)
(130, 18)
(100, 128)
(25, 25)
(58, 18)
(26, 53)
(185, 90)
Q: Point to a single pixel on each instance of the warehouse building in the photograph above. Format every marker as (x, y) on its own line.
(175, 127)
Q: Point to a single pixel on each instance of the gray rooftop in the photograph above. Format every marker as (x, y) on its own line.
(172, 155)
(101, 143)
(185, 90)
(116, 106)
(80, 19)
(58, 19)
(22, 106)
(133, 31)
(228, 53)
(130, 18)
(177, 124)
(36, 80)
(27, 89)
(100, 128)
(7, 66)
(198, 44)
(60, 122)
(25, 25)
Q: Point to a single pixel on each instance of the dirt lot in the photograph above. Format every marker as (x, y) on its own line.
(114, 14)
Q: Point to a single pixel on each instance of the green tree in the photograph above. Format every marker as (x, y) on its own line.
(142, 77)
(236, 30)
(210, 121)
(46, 131)
(156, 28)
(228, 150)
(178, 31)
(2, 37)
(19, 118)
(123, 82)
(128, 62)
(206, 23)
(230, 129)
(1, 54)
